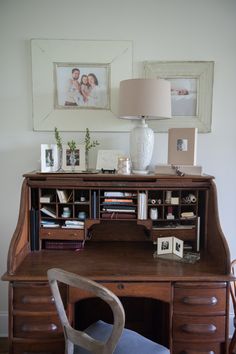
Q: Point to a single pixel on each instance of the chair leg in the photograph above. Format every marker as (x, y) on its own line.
(232, 343)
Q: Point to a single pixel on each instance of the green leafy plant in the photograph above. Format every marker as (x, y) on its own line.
(58, 138)
(87, 141)
(72, 145)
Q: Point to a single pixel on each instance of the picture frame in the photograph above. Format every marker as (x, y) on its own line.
(178, 247)
(79, 155)
(182, 146)
(164, 245)
(108, 159)
(191, 93)
(49, 158)
(112, 59)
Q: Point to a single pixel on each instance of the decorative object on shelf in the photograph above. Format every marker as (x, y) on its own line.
(143, 99)
(182, 146)
(66, 212)
(191, 92)
(153, 214)
(179, 170)
(49, 158)
(124, 165)
(88, 146)
(170, 215)
(108, 159)
(168, 245)
(59, 148)
(52, 63)
(73, 159)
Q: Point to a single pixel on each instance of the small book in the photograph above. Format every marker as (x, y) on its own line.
(63, 195)
(47, 198)
(48, 211)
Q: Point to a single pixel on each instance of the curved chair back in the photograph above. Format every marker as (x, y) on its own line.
(75, 337)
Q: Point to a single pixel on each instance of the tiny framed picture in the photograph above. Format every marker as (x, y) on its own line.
(182, 146)
(73, 162)
(178, 247)
(49, 158)
(164, 245)
(108, 159)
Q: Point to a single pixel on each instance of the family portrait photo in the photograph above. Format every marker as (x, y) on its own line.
(81, 86)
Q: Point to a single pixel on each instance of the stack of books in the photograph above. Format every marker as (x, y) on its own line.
(118, 205)
(73, 224)
(49, 224)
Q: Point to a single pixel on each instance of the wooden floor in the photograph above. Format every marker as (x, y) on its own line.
(3, 345)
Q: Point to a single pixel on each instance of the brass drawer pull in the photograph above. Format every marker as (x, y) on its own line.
(196, 300)
(51, 327)
(120, 286)
(28, 299)
(199, 328)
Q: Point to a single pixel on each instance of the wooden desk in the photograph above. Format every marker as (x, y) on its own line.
(189, 303)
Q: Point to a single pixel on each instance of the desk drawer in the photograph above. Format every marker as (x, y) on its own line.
(37, 326)
(159, 291)
(61, 234)
(39, 347)
(197, 348)
(33, 297)
(200, 301)
(199, 328)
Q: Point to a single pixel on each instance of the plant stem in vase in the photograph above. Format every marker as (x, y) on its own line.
(59, 154)
(72, 161)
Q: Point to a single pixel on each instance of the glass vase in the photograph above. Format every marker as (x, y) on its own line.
(86, 160)
(59, 154)
(72, 161)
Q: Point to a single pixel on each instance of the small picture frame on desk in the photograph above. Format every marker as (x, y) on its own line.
(164, 245)
(49, 158)
(182, 146)
(79, 157)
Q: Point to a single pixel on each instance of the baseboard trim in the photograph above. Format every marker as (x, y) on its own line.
(3, 324)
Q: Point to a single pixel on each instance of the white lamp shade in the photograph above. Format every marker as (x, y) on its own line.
(149, 98)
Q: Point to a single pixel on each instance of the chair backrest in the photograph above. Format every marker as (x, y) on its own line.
(233, 285)
(76, 337)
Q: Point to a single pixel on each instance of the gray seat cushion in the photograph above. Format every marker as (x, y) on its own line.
(130, 342)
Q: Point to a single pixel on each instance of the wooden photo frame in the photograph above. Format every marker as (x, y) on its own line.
(182, 146)
(79, 156)
(191, 93)
(49, 158)
(51, 62)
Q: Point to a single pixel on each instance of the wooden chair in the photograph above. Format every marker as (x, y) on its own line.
(100, 337)
(232, 345)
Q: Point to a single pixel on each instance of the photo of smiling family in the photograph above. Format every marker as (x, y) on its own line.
(81, 86)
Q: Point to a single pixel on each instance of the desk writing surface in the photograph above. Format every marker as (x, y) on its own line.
(114, 261)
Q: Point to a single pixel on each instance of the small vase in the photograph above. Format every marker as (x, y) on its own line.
(86, 160)
(72, 161)
(59, 154)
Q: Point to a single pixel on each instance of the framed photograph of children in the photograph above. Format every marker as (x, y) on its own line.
(191, 92)
(75, 84)
(182, 146)
(178, 247)
(79, 156)
(164, 245)
(82, 86)
(49, 158)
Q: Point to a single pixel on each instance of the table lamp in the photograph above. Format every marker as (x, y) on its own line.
(143, 99)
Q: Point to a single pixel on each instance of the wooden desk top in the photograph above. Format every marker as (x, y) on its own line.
(116, 261)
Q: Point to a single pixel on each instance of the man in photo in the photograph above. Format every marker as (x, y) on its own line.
(73, 95)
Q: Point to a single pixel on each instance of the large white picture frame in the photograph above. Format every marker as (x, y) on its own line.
(191, 93)
(116, 56)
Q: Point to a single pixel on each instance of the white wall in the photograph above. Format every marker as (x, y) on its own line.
(160, 30)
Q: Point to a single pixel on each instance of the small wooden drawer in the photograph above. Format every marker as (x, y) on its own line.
(197, 348)
(200, 301)
(183, 234)
(61, 234)
(199, 328)
(34, 297)
(37, 326)
(159, 291)
(39, 347)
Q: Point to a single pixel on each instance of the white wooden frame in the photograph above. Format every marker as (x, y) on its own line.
(117, 54)
(81, 165)
(162, 243)
(203, 72)
(46, 166)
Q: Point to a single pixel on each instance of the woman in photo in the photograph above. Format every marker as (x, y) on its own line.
(93, 97)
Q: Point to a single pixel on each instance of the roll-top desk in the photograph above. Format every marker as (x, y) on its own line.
(182, 305)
